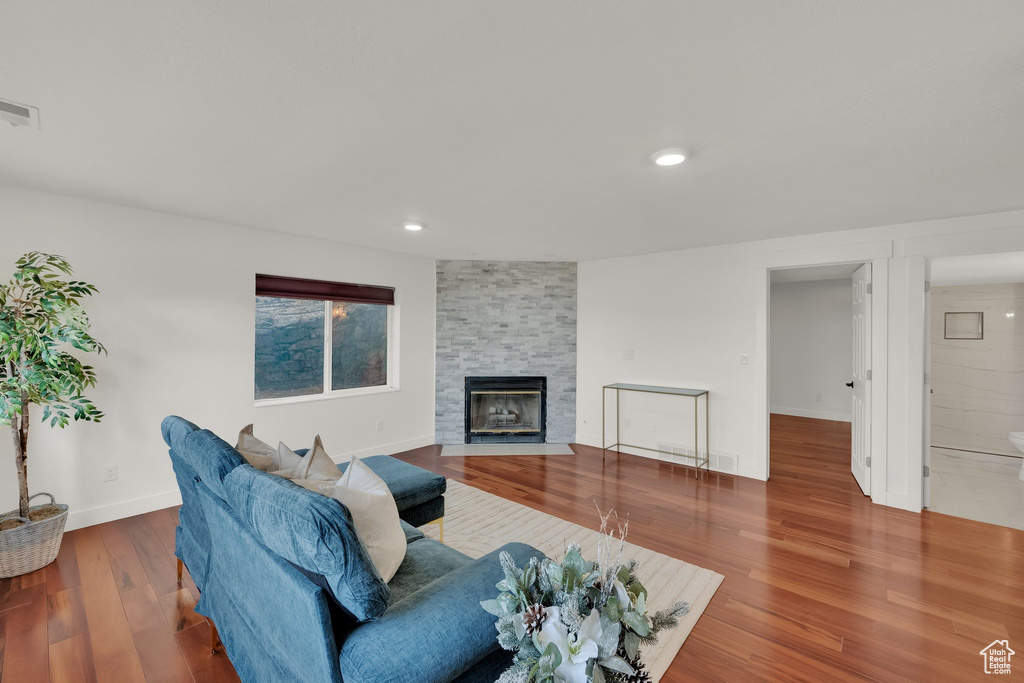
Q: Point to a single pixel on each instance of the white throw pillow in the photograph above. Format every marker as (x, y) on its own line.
(315, 466)
(375, 515)
(283, 461)
(255, 452)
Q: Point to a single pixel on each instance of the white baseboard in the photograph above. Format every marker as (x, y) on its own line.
(78, 519)
(815, 414)
(387, 449)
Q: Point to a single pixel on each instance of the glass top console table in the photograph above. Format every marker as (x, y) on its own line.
(701, 459)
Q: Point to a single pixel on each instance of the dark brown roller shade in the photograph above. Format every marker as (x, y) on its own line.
(299, 288)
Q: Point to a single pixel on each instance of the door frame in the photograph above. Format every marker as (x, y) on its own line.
(876, 253)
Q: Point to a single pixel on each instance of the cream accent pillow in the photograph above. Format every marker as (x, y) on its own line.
(255, 452)
(283, 461)
(374, 513)
(315, 466)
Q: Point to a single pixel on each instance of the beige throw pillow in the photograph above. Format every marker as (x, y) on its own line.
(374, 513)
(316, 464)
(283, 461)
(315, 467)
(255, 452)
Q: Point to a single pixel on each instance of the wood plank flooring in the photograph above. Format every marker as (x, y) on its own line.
(108, 609)
(819, 583)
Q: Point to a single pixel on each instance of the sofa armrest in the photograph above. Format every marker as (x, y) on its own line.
(275, 623)
(438, 632)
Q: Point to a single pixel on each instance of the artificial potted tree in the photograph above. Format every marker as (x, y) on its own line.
(41, 322)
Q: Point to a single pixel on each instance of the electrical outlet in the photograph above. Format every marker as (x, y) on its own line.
(110, 473)
(380, 425)
(818, 397)
(627, 354)
(744, 359)
(629, 423)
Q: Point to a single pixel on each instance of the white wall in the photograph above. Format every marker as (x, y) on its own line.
(690, 314)
(811, 349)
(175, 310)
(979, 383)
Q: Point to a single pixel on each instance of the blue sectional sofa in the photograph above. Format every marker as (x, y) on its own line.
(293, 593)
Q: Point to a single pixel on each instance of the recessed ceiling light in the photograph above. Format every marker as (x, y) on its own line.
(413, 227)
(670, 157)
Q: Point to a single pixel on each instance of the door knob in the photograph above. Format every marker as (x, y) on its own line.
(850, 384)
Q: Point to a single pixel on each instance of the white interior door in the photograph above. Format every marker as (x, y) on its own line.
(860, 455)
(926, 497)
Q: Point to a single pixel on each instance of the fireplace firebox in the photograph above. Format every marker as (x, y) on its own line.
(506, 409)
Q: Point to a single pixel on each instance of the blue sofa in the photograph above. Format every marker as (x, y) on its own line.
(293, 593)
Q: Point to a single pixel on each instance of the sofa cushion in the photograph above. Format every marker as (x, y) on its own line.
(425, 561)
(411, 532)
(417, 632)
(409, 484)
(211, 457)
(421, 514)
(311, 531)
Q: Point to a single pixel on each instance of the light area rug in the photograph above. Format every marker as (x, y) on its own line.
(477, 522)
(507, 449)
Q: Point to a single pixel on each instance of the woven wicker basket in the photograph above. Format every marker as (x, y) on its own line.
(32, 545)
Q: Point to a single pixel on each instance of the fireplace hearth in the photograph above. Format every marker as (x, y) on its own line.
(506, 409)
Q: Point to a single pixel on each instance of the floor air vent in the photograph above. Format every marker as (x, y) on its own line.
(19, 114)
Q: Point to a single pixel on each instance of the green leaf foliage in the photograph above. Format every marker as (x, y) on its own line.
(40, 318)
(549, 660)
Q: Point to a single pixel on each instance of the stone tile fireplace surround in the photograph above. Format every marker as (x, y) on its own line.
(505, 318)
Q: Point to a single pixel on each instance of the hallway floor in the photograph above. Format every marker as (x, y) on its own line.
(977, 486)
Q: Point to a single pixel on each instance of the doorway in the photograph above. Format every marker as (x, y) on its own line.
(975, 359)
(819, 365)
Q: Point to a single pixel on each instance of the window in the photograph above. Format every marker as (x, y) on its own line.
(321, 338)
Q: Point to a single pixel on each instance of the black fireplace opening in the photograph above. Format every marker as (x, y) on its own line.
(506, 409)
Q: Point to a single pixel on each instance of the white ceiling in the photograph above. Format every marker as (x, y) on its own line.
(522, 129)
(978, 269)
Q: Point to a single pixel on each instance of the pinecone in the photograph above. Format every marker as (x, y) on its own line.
(640, 673)
(533, 619)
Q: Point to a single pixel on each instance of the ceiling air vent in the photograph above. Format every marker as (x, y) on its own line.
(19, 114)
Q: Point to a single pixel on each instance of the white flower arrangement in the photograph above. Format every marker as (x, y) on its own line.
(578, 621)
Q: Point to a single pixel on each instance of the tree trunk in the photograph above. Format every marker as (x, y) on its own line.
(19, 429)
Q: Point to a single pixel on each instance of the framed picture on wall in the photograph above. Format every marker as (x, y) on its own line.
(965, 326)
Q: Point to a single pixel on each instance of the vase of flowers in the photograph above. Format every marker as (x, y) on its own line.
(577, 621)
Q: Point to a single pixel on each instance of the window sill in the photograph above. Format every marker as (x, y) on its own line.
(330, 396)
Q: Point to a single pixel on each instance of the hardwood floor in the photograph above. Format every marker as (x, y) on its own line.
(819, 583)
(108, 609)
